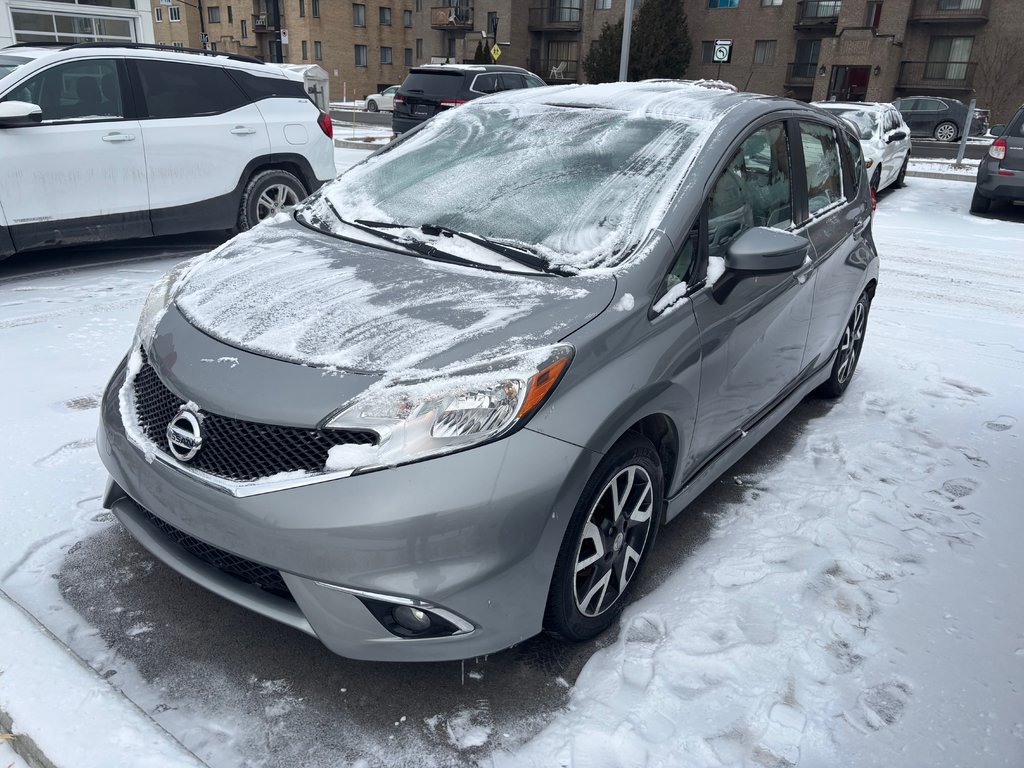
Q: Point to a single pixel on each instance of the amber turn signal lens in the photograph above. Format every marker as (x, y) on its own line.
(541, 383)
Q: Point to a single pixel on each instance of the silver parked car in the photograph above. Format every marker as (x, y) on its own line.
(449, 401)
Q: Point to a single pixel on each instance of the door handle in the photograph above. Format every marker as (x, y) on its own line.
(243, 130)
(115, 138)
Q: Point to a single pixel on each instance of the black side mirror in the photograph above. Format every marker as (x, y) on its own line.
(766, 250)
(15, 114)
(896, 136)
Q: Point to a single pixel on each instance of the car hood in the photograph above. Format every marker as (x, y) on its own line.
(287, 292)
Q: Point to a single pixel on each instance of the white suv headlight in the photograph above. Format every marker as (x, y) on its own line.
(450, 410)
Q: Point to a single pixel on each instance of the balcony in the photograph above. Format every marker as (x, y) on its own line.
(937, 75)
(557, 15)
(451, 17)
(945, 11)
(801, 73)
(816, 14)
(555, 71)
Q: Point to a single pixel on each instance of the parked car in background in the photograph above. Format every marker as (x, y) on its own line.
(383, 101)
(435, 88)
(1001, 172)
(940, 118)
(461, 388)
(106, 141)
(884, 139)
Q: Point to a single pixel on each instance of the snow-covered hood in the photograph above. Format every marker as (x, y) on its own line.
(287, 292)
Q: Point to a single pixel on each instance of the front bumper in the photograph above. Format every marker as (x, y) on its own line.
(474, 534)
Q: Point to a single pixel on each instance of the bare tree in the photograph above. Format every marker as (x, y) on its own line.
(999, 77)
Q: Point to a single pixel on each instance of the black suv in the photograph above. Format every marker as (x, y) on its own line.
(1001, 172)
(940, 118)
(434, 88)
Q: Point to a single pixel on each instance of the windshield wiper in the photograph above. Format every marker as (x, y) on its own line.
(519, 254)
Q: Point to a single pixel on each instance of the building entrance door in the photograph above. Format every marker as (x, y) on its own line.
(849, 83)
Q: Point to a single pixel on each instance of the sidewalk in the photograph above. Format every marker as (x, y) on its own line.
(76, 718)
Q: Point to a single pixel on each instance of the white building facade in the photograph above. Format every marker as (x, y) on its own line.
(75, 21)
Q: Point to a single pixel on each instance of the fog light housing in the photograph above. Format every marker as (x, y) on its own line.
(412, 619)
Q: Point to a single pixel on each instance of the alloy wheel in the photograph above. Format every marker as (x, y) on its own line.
(613, 540)
(945, 132)
(849, 347)
(274, 198)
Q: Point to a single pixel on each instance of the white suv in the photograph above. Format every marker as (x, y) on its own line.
(884, 139)
(103, 142)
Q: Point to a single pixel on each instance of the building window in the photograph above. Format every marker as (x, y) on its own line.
(408, 57)
(174, 13)
(874, 16)
(419, 49)
(245, 29)
(213, 46)
(302, 8)
(213, 14)
(360, 55)
(407, 18)
(723, 3)
(419, 5)
(764, 51)
(305, 50)
(602, 5)
(358, 15)
(231, 16)
(492, 22)
(318, 50)
(385, 16)
(767, 3)
(158, 14)
(806, 64)
(316, 9)
(385, 55)
(707, 52)
(177, 44)
(948, 58)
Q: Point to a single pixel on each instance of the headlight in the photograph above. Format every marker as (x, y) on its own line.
(450, 410)
(159, 299)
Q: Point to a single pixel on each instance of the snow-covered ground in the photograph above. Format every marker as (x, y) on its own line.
(847, 596)
(968, 168)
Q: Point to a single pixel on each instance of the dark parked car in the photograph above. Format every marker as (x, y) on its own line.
(1001, 173)
(450, 399)
(940, 118)
(434, 88)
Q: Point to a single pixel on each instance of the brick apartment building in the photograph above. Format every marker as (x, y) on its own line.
(872, 50)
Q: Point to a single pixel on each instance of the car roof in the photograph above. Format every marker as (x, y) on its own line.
(867, 106)
(66, 51)
(468, 68)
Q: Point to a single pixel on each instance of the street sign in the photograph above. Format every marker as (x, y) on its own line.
(284, 37)
(722, 52)
(495, 52)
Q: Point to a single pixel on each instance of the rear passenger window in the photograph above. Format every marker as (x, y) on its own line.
(187, 90)
(486, 84)
(511, 81)
(257, 88)
(823, 166)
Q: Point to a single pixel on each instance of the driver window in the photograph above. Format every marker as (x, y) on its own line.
(754, 190)
(78, 90)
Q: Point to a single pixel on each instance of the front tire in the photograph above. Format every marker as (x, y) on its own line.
(876, 179)
(945, 131)
(609, 538)
(371, 106)
(901, 180)
(266, 194)
(848, 352)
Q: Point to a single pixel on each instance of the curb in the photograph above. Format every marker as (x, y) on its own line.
(943, 176)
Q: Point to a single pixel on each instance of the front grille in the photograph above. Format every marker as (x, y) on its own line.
(235, 449)
(238, 567)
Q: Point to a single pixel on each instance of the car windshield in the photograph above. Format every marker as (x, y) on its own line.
(863, 122)
(577, 186)
(10, 63)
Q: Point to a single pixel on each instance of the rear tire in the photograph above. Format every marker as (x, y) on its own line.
(848, 351)
(945, 131)
(609, 538)
(980, 204)
(371, 106)
(267, 193)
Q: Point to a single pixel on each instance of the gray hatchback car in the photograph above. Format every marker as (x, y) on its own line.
(1001, 173)
(448, 402)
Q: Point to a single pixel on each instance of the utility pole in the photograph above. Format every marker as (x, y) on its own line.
(627, 29)
(276, 55)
